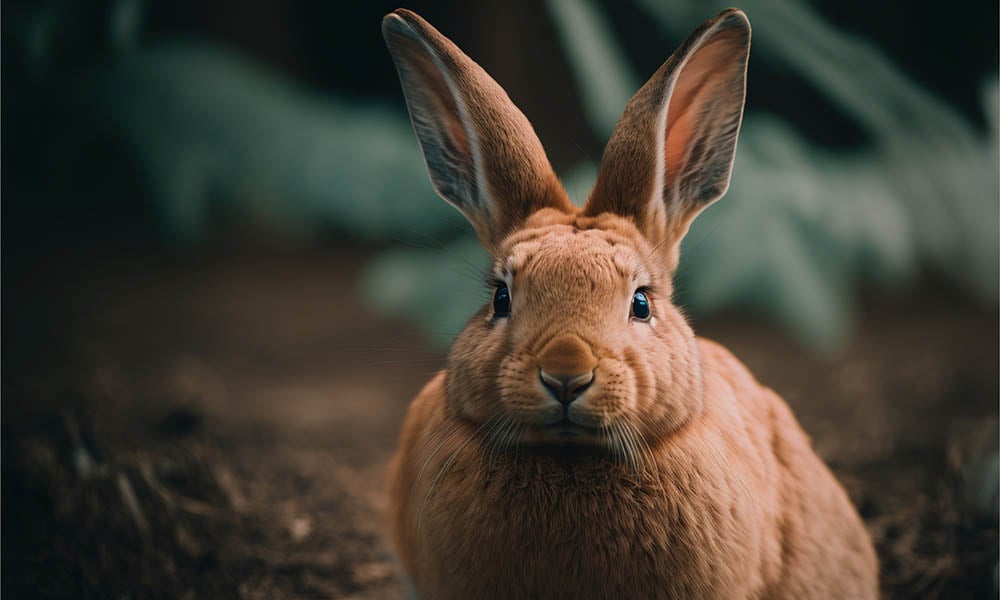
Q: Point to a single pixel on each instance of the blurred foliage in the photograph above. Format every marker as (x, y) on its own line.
(215, 136)
(802, 228)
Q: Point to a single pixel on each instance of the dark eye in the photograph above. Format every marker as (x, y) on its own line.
(501, 301)
(640, 306)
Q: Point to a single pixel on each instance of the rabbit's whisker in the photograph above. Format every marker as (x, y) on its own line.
(437, 439)
(447, 465)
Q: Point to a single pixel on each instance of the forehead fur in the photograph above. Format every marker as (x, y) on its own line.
(603, 250)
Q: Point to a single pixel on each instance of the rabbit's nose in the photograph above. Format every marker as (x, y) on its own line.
(566, 388)
(566, 367)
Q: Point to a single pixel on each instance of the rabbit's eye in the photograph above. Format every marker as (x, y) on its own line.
(501, 301)
(640, 306)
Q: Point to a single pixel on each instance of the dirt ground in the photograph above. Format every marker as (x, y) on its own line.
(185, 427)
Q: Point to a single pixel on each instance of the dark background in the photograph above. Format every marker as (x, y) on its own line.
(336, 48)
(211, 415)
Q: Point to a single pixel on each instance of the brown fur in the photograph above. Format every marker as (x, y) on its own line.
(674, 474)
(519, 176)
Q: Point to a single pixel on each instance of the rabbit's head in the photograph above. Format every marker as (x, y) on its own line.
(581, 343)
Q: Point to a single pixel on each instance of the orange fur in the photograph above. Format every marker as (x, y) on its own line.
(673, 474)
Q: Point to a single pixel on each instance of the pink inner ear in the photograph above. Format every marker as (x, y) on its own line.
(710, 67)
(431, 83)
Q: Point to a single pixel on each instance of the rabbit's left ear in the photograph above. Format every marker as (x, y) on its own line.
(483, 156)
(671, 154)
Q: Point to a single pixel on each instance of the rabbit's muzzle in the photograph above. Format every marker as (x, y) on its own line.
(566, 367)
(564, 393)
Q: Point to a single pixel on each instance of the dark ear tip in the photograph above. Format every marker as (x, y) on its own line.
(403, 13)
(400, 20)
(408, 24)
(392, 24)
(732, 18)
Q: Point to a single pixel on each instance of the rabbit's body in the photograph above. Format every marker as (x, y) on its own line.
(582, 443)
(733, 505)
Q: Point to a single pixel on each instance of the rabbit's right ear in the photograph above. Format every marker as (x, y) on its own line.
(671, 154)
(483, 155)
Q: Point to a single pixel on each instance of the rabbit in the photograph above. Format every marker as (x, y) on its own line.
(582, 442)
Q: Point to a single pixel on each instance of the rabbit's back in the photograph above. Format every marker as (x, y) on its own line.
(825, 551)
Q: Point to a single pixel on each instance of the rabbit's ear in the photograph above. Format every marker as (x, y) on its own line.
(482, 154)
(672, 152)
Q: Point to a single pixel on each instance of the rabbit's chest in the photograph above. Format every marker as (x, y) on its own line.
(601, 531)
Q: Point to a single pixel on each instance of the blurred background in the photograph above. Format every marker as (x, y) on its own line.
(225, 272)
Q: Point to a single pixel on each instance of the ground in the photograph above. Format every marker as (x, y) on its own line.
(191, 427)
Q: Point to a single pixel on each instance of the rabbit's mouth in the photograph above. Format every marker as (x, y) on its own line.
(568, 429)
(562, 432)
